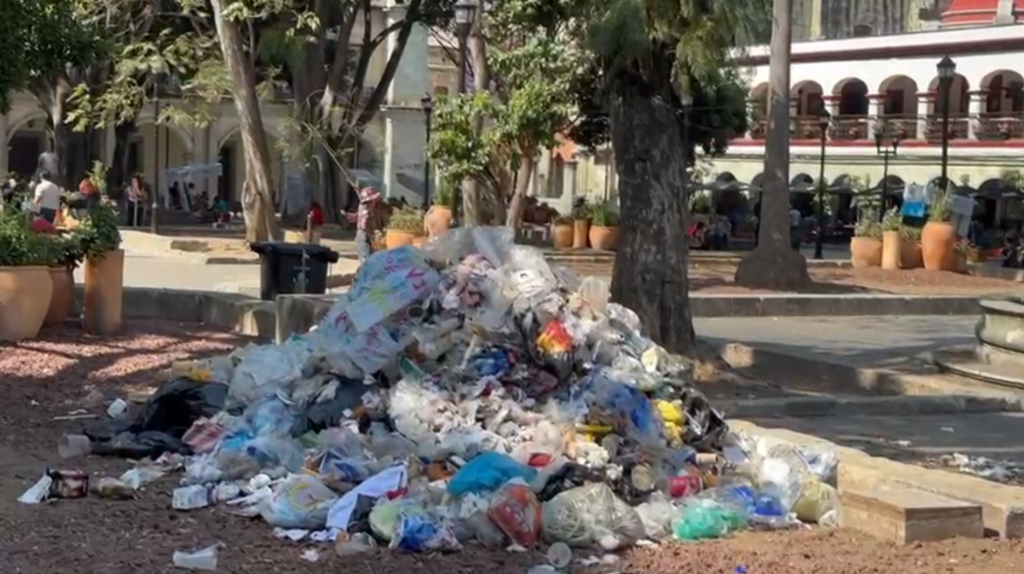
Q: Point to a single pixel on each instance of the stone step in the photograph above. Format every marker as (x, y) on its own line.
(904, 515)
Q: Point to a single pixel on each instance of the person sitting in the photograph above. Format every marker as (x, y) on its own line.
(698, 235)
(316, 216)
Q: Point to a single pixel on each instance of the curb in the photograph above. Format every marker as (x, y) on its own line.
(1002, 506)
(899, 405)
(856, 304)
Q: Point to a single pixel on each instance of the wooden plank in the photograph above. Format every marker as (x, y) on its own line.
(904, 515)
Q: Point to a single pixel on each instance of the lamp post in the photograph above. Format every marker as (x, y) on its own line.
(155, 191)
(947, 72)
(886, 144)
(687, 102)
(465, 13)
(824, 120)
(428, 110)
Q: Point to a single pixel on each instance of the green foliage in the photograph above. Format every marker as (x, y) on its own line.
(1014, 179)
(444, 195)
(892, 220)
(700, 202)
(941, 209)
(911, 234)
(407, 219)
(603, 214)
(460, 152)
(98, 234)
(19, 245)
(868, 226)
(98, 176)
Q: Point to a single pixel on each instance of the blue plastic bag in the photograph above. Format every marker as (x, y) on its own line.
(417, 532)
(488, 472)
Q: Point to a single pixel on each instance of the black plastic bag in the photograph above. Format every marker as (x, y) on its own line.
(319, 416)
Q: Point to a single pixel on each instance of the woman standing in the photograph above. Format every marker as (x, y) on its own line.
(136, 200)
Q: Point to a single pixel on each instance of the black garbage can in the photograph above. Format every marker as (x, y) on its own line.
(288, 268)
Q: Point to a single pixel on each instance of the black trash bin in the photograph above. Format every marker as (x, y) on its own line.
(287, 268)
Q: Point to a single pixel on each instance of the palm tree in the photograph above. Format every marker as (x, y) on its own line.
(667, 87)
(773, 264)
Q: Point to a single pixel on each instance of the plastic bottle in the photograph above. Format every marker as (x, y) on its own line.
(559, 555)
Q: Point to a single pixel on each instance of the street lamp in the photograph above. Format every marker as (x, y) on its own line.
(886, 143)
(947, 72)
(428, 110)
(155, 191)
(465, 13)
(824, 120)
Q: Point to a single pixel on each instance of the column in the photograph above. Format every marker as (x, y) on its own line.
(977, 100)
(4, 146)
(925, 107)
(876, 114)
(405, 126)
(794, 121)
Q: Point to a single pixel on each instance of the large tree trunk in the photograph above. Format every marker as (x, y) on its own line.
(650, 274)
(257, 198)
(514, 217)
(118, 174)
(773, 264)
(472, 198)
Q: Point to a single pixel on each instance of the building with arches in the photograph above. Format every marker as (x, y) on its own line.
(392, 148)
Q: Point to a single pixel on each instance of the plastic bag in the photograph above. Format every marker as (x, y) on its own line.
(517, 512)
(705, 518)
(656, 514)
(583, 516)
(387, 282)
(425, 532)
(488, 472)
(299, 502)
(264, 371)
(626, 409)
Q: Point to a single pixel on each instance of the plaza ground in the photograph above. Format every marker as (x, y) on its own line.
(48, 377)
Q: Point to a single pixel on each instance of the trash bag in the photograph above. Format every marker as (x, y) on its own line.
(585, 515)
(300, 501)
(488, 472)
(706, 429)
(328, 414)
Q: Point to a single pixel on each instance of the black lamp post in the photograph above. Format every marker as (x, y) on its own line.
(428, 110)
(947, 72)
(824, 120)
(465, 13)
(886, 143)
(154, 226)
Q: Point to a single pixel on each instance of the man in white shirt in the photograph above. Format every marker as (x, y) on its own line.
(47, 197)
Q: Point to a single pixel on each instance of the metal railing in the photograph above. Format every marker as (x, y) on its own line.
(994, 126)
(1000, 126)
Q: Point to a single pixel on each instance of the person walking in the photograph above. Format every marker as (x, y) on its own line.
(369, 220)
(796, 224)
(46, 198)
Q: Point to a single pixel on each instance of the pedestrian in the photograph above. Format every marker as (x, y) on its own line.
(796, 223)
(369, 220)
(46, 198)
(136, 200)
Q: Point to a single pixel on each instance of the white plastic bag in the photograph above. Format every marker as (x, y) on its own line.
(264, 371)
(299, 502)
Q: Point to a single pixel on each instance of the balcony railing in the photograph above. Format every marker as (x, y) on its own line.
(959, 127)
(849, 127)
(1000, 126)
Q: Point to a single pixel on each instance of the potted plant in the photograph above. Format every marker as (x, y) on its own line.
(63, 252)
(562, 232)
(25, 284)
(866, 245)
(604, 226)
(405, 226)
(910, 247)
(104, 271)
(439, 217)
(580, 224)
(938, 237)
(962, 253)
(891, 222)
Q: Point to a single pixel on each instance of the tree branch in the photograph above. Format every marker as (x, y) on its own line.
(372, 106)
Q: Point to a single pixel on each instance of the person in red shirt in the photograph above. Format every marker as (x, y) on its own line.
(316, 215)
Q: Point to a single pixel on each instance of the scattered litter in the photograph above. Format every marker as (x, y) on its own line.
(204, 560)
(947, 429)
(1005, 471)
(464, 392)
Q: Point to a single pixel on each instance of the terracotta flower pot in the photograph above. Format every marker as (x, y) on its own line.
(399, 238)
(25, 294)
(104, 293)
(937, 243)
(891, 249)
(63, 298)
(866, 252)
(437, 220)
(580, 232)
(910, 255)
(562, 235)
(604, 238)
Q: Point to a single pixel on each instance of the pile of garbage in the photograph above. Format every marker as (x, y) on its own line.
(462, 392)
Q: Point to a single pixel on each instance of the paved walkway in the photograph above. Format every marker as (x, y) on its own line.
(855, 341)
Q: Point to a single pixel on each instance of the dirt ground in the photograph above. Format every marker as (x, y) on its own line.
(48, 377)
(718, 278)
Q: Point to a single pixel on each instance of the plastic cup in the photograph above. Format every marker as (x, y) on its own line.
(203, 560)
(73, 445)
(117, 408)
(559, 555)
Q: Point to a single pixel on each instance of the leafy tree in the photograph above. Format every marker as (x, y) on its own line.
(532, 67)
(649, 57)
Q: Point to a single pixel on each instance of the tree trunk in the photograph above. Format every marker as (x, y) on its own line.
(514, 217)
(650, 274)
(472, 199)
(774, 264)
(257, 199)
(118, 174)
